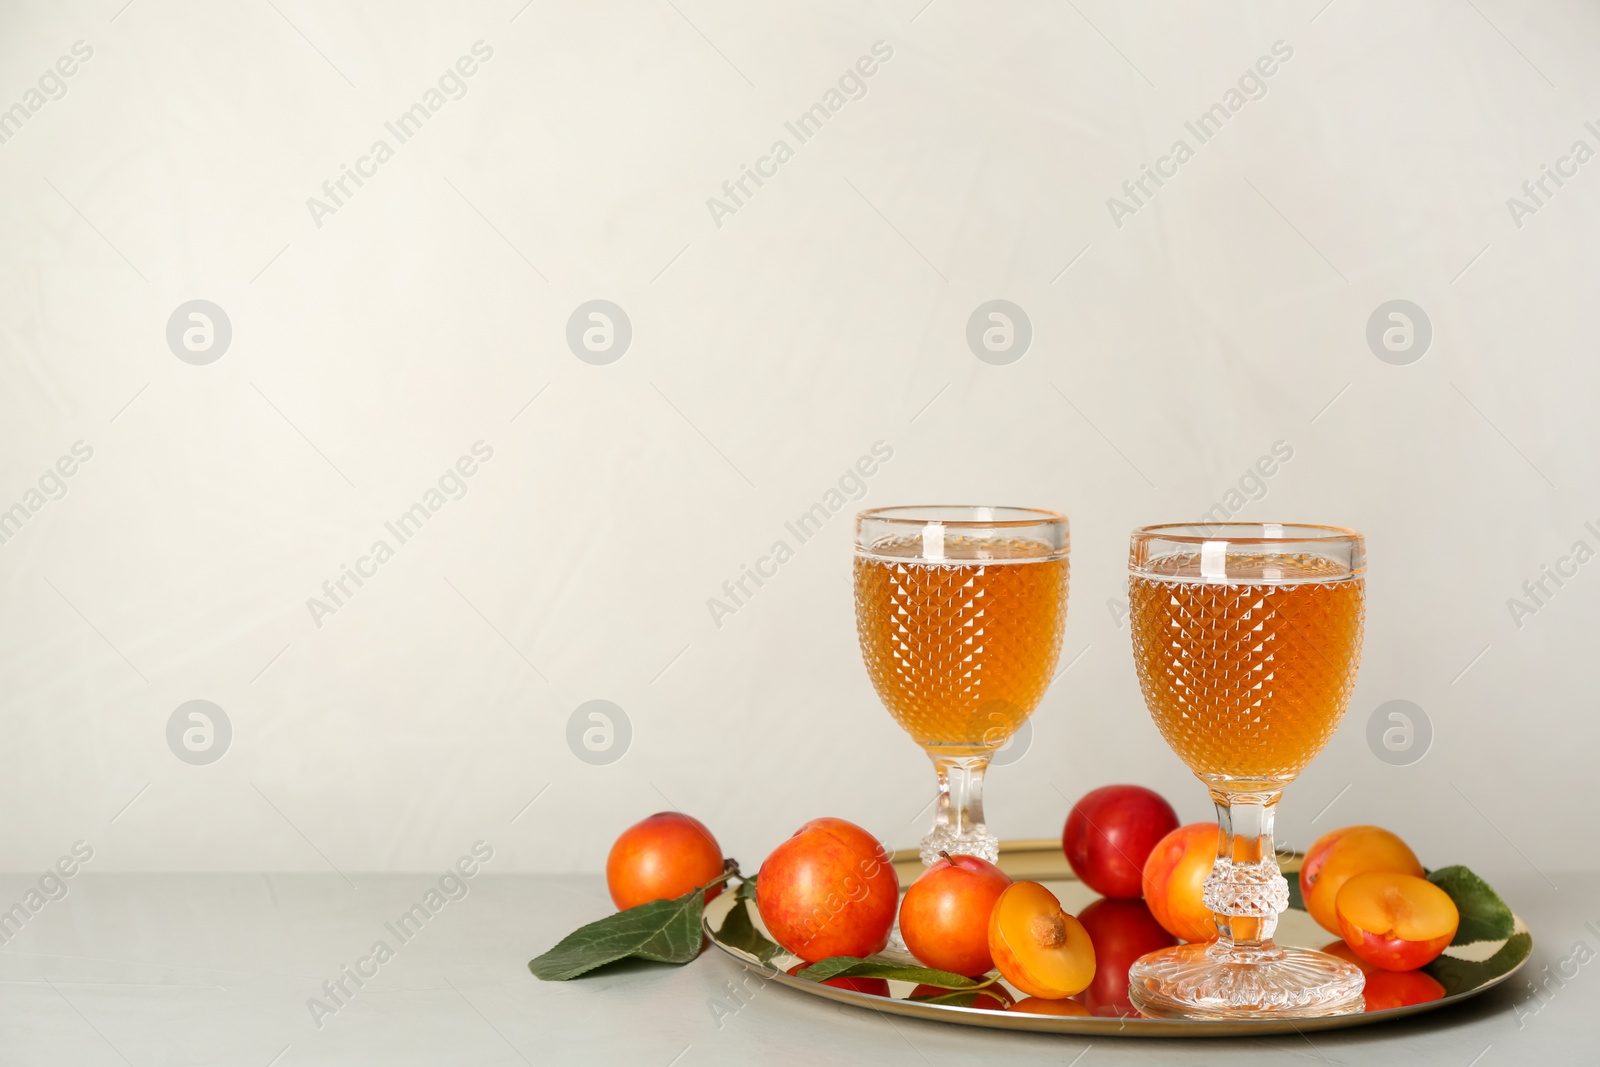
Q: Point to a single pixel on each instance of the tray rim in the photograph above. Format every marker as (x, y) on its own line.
(1089, 1025)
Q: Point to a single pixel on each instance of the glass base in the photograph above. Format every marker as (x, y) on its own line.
(1197, 982)
(976, 841)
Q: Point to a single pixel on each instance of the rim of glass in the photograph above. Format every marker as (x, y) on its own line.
(901, 514)
(1291, 532)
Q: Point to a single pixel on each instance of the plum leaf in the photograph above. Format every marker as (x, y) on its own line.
(1460, 976)
(1484, 916)
(738, 931)
(878, 967)
(665, 931)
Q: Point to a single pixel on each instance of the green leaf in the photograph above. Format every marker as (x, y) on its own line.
(1458, 976)
(878, 967)
(667, 931)
(1296, 901)
(738, 931)
(1484, 916)
(957, 997)
(746, 889)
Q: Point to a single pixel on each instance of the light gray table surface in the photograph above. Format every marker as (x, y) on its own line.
(168, 969)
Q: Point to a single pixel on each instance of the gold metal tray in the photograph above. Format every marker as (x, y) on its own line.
(1470, 969)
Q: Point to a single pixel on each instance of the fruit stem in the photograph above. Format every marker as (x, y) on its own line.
(730, 869)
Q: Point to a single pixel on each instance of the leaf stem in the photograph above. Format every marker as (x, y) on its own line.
(974, 988)
(999, 992)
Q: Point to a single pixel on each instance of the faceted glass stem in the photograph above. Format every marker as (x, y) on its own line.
(1245, 889)
(958, 826)
(1243, 975)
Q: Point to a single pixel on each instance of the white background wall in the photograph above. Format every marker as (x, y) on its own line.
(768, 353)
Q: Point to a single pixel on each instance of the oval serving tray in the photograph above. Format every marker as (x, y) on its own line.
(1464, 970)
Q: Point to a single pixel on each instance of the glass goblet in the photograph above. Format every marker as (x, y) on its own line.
(1247, 637)
(960, 613)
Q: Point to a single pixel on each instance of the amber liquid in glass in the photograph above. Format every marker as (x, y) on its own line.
(961, 650)
(1247, 679)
